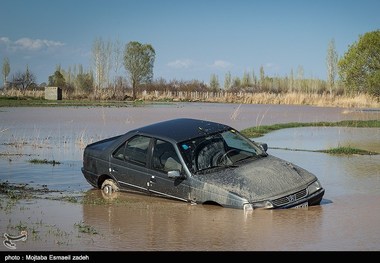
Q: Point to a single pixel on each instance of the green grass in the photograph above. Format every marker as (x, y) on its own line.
(343, 150)
(84, 228)
(259, 131)
(347, 151)
(44, 161)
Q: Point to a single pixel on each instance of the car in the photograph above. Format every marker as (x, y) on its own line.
(198, 162)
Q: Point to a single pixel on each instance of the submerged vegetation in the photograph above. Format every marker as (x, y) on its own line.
(85, 228)
(259, 131)
(341, 150)
(44, 161)
(347, 151)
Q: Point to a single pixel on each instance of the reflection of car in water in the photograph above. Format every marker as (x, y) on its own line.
(200, 162)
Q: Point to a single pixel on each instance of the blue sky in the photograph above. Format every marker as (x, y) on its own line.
(192, 39)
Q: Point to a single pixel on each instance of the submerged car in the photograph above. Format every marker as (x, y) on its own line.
(199, 162)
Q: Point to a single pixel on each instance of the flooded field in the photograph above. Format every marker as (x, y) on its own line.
(71, 216)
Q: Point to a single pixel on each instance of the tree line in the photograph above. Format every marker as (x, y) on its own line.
(357, 71)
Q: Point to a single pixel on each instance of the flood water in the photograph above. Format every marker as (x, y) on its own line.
(347, 219)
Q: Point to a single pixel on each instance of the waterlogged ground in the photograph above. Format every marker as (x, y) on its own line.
(63, 212)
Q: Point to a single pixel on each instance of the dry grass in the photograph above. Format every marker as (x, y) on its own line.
(290, 98)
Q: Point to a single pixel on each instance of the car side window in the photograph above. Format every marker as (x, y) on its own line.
(136, 150)
(119, 153)
(165, 157)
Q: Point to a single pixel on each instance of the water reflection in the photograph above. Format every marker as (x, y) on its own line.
(135, 222)
(322, 138)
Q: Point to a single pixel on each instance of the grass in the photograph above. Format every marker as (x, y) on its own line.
(40, 102)
(44, 161)
(107, 97)
(84, 228)
(347, 151)
(254, 132)
(342, 150)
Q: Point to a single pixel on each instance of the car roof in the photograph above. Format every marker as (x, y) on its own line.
(181, 129)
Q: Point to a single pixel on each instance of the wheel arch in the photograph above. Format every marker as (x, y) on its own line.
(102, 178)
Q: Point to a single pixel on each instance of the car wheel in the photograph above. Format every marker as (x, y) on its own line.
(109, 187)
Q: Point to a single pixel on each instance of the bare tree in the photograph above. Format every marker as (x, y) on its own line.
(214, 82)
(332, 64)
(6, 70)
(138, 62)
(291, 81)
(246, 80)
(108, 58)
(24, 80)
(227, 81)
(102, 62)
(262, 77)
(300, 77)
(117, 61)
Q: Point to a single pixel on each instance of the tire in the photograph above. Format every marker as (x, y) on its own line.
(109, 187)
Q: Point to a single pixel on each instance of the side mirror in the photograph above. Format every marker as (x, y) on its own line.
(174, 174)
(264, 146)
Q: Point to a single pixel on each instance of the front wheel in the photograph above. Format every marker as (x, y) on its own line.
(109, 187)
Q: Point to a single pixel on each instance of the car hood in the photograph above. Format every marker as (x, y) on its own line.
(260, 179)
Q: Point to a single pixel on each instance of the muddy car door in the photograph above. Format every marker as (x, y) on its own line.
(128, 163)
(165, 161)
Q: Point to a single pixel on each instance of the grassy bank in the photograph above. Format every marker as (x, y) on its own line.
(15, 98)
(254, 132)
(259, 131)
(15, 101)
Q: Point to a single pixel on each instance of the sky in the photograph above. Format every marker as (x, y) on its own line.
(192, 39)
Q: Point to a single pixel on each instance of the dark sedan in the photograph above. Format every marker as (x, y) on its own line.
(200, 162)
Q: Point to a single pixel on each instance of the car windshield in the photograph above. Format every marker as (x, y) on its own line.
(224, 149)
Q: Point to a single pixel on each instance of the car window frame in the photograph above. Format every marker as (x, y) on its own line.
(123, 148)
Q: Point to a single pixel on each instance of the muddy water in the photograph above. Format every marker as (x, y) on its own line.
(347, 219)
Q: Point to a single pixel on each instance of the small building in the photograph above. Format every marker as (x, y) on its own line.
(53, 93)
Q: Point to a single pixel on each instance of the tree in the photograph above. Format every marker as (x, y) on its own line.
(227, 81)
(246, 80)
(214, 83)
(359, 69)
(84, 81)
(102, 62)
(262, 77)
(6, 70)
(138, 62)
(117, 62)
(332, 64)
(57, 79)
(300, 79)
(24, 79)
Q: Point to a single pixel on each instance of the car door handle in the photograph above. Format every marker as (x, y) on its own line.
(112, 170)
(152, 179)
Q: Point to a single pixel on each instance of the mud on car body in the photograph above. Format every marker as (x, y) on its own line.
(201, 162)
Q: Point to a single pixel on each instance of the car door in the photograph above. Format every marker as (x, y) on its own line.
(128, 163)
(165, 159)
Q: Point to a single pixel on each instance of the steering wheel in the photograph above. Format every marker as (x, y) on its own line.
(224, 159)
(206, 152)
